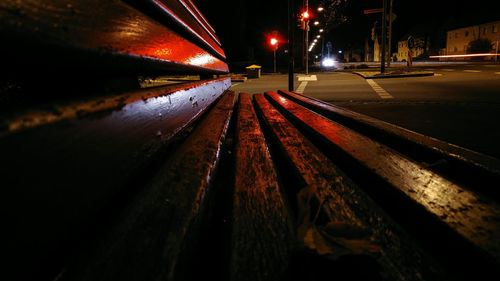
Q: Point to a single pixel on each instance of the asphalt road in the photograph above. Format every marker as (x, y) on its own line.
(460, 104)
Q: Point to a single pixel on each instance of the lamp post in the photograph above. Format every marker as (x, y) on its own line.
(291, 39)
(305, 17)
(274, 43)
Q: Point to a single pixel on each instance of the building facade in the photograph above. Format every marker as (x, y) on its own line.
(457, 40)
(404, 51)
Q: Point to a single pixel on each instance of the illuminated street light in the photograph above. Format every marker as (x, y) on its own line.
(321, 30)
(319, 36)
(274, 43)
(320, 9)
(316, 22)
(315, 40)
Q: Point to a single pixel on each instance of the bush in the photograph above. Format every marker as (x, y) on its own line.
(478, 46)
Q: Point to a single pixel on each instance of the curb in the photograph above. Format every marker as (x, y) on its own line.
(394, 75)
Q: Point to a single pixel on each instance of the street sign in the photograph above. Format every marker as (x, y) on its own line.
(373, 11)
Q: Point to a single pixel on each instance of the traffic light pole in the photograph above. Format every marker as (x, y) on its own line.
(291, 25)
(307, 46)
(384, 37)
(389, 57)
(307, 39)
(274, 60)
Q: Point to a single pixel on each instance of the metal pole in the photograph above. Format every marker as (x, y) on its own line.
(390, 36)
(496, 52)
(384, 38)
(275, 60)
(307, 39)
(307, 47)
(291, 24)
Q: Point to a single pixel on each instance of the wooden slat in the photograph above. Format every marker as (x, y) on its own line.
(186, 17)
(261, 237)
(458, 210)
(465, 163)
(98, 35)
(159, 231)
(60, 177)
(343, 201)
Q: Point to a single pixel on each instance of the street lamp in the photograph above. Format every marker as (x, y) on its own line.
(274, 43)
(320, 9)
(316, 22)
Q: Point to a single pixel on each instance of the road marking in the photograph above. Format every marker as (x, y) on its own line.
(301, 87)
(236, 84)
(381, 92)
(308, 78)
(497, 72)
(438, 74)
(447, 69)
(470, 70)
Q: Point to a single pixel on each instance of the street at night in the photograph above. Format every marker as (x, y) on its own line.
(253, 140)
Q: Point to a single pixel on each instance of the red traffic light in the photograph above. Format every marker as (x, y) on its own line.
(305, 15)
(274, 41)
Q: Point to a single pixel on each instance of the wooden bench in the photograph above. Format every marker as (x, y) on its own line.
(191, 180)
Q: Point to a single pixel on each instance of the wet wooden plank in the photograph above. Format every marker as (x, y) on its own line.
(457, 211)
(463, 163)
(261, 237)
(337, 200)
(103, 36)
(155, 237)
(61, 178)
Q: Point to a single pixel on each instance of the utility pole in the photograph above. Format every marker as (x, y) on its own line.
(384, 37)
(274, 60)
(291, 25)
(496, 51)
(307, 37)
(390, 35)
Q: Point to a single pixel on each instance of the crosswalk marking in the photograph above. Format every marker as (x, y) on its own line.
(379, 90)
(300, 89)
(307, 78)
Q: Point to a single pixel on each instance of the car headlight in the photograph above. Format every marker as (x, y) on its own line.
(328, 62)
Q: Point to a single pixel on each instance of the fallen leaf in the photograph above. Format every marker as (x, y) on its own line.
(333, 240)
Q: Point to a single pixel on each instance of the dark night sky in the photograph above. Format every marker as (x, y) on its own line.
(242, 25)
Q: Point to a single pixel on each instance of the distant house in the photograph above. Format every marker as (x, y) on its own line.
(419, 49)
(457, 40)
(354, 55)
